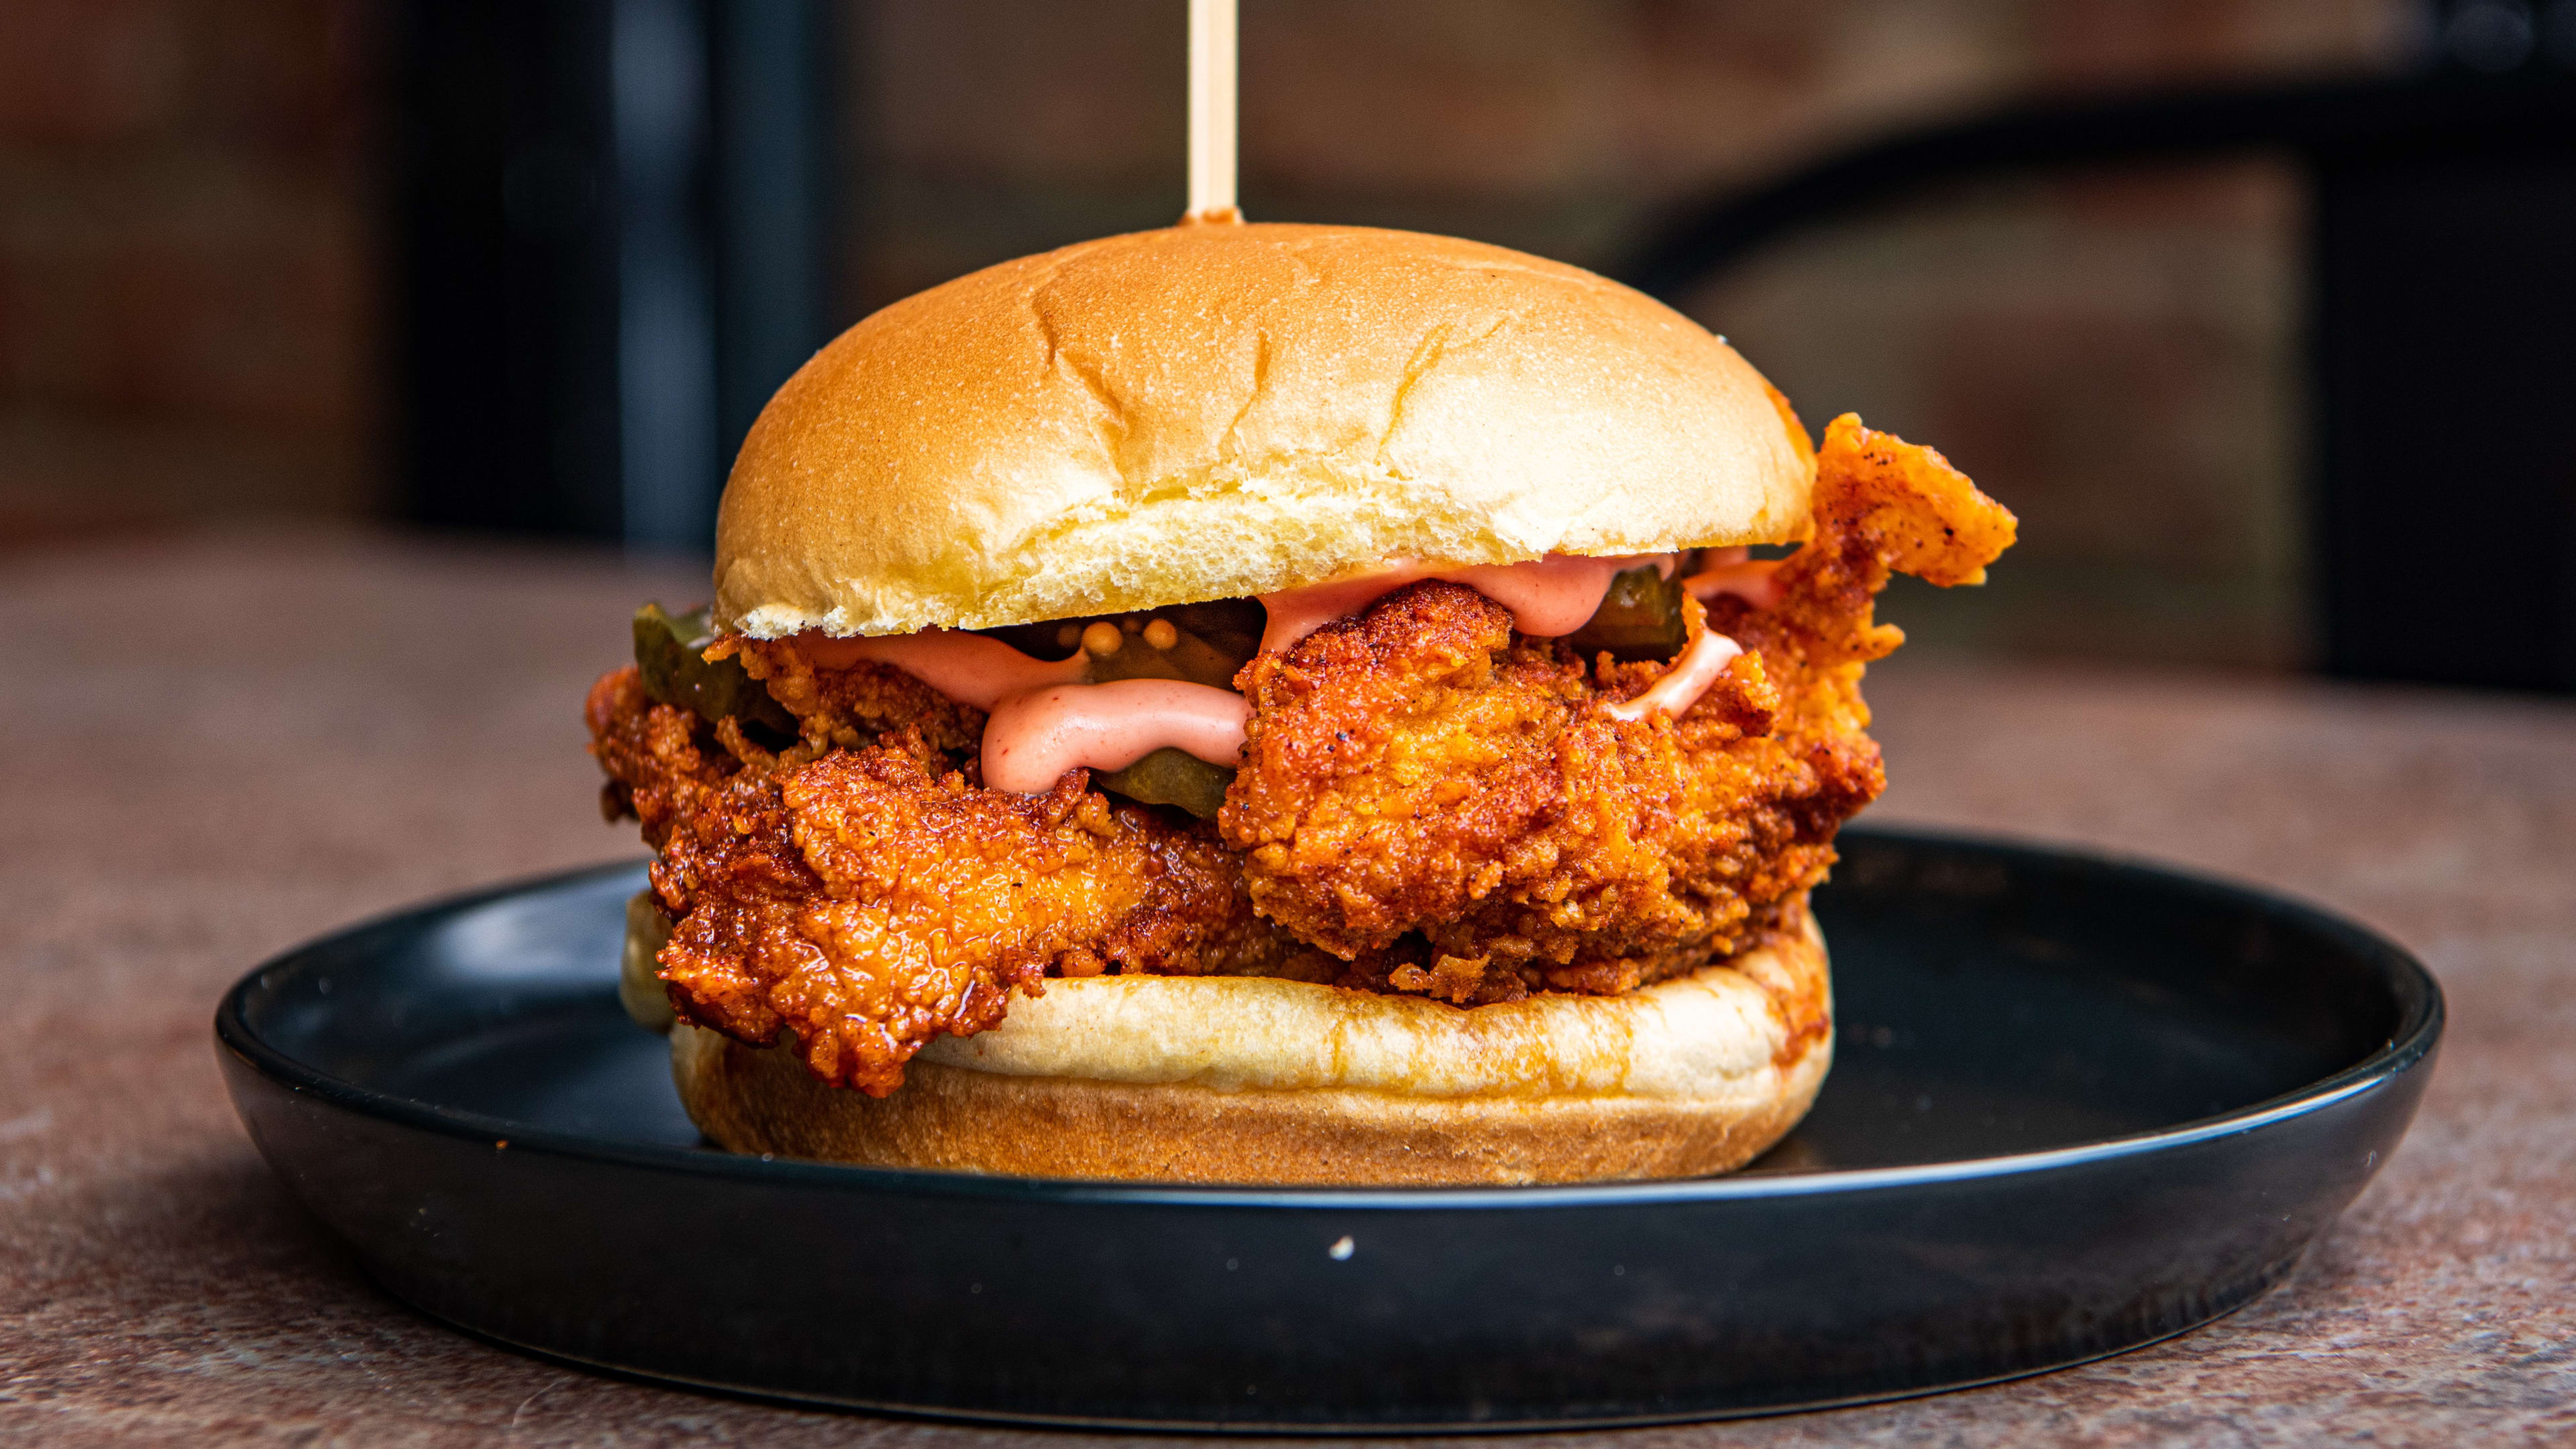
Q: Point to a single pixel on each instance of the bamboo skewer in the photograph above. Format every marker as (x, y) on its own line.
(1212, 112)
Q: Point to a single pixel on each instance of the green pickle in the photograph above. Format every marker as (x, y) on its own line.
(1640, 618)
(1190, 659)
(670, 651)
(1171, 777)
(1213, 640)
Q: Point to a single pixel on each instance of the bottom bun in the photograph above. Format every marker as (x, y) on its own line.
(1254, 1080)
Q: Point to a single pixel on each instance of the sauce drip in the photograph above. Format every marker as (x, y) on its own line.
(1681, 686)
(1031, 740)
(1735, 571)
(968, 668)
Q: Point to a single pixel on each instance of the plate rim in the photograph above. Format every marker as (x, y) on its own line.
(2422, 1013)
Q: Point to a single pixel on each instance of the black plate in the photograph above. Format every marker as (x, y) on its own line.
(2078, 1105)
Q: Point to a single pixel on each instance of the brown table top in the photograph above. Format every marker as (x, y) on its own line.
(215, 749)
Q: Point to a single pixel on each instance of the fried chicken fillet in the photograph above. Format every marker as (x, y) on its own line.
(1428, 803)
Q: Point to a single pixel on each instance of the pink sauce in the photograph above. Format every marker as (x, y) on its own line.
(1688, 679)
(968, 668)
(1549, 597)
(1730, 572)
(1033, 739)
(1045, 720)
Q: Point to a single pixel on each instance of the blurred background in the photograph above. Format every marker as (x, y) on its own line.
(2261, 313)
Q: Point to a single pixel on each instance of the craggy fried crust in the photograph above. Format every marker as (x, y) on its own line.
(1444, 806)
(871, 905)
(852, 708)
(1420, 771)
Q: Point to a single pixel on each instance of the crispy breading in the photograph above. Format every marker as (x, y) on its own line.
(660, 760)
(869, 905)
(1422, 772)
(864, 704)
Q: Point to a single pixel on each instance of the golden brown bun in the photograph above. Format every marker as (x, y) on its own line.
(1234, 1079)
(1221, 410)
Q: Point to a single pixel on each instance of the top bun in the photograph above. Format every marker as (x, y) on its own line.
(1219, 410)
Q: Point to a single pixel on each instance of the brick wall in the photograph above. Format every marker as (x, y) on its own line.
(185, 263)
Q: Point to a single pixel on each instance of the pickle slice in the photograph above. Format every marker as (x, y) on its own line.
(1171, 777)
(670, 651)
(1209, 642)
(1639, 618)
(1188, 657)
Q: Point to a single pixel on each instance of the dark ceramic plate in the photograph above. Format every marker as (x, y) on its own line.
(2079, 1105)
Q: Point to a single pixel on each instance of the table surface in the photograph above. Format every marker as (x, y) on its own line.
(217, 748)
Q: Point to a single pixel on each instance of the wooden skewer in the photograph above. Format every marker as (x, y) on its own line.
(1212, 126)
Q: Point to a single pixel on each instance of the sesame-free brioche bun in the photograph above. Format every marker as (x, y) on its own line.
(1256, 1080)
(1219, 410)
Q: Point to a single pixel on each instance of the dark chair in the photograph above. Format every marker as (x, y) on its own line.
(2442, 335)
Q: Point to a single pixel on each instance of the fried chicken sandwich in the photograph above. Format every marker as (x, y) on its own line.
(1268, 704)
